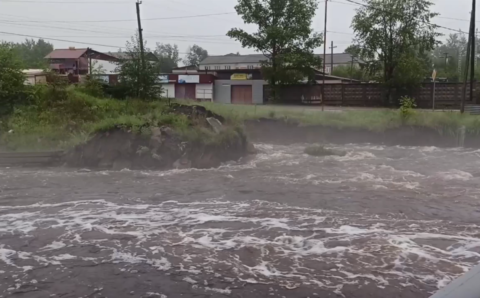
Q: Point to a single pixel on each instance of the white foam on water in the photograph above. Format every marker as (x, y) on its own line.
(455, 175)
(54, 245)
(281, 242)
(353, 156)
(428, 149)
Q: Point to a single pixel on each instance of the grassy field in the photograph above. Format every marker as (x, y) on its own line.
(371, 119)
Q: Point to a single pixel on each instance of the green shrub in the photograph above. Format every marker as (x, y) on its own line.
(407, 108)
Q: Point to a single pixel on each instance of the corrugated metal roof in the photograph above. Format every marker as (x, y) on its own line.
(254, 58)
(66, 54)
(341, 58)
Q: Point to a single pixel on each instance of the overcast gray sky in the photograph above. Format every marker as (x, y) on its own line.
(91, 22)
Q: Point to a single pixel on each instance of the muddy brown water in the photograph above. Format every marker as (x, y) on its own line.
(378, 222)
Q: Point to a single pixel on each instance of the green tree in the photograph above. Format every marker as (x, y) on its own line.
(284, 35)
(136, 80)
(195, 55)
(33, 53)
(393, 35)
(352, 72)
(12, 79)
(168, 57)
(449, 57)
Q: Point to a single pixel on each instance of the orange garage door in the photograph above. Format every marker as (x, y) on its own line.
(242, 94)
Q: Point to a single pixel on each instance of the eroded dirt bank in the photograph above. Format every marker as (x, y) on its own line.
(280, 132)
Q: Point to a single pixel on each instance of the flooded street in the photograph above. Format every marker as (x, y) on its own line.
(378, 222)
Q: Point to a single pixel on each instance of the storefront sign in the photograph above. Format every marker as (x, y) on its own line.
(163, 78)
(241, 76)
(182, 79)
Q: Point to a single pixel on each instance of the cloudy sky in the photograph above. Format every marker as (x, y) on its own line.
(105, 25)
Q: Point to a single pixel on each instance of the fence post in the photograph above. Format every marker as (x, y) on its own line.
(343, 94)
(364, 94)
(455, 97)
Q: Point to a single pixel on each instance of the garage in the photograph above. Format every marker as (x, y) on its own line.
(185, 91)
(242, 94)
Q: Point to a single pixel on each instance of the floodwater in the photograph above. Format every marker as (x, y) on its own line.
(378, 222)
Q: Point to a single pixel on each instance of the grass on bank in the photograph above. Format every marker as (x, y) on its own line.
(57, 121)
(58, 124)
(379, 120)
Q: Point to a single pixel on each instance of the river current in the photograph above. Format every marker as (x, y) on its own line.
(377, 222)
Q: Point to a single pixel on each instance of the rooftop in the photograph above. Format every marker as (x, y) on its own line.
(73, 53)
(339, 58)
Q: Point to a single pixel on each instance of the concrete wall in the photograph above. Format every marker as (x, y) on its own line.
(107, 66)
(168, 90)
(223, 90)
(204, 91)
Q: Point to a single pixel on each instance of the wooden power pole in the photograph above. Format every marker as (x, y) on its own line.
(473, 53)
(324, 54)
(140, 34)
(469, 63)
(331, 58)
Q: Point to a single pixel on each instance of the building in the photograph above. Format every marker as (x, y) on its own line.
(76, 61)
(35, 76)
(188, 86)
(238, 80)
(254, 61)
(190, 69)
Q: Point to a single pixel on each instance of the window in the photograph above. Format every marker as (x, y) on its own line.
(217, 67)
(227, 66)
(250, 66)
(207, 67)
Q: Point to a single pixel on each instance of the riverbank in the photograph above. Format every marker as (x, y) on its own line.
(77, 118)
(288, 125)
(111, 134)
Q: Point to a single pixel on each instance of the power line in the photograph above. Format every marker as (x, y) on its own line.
(74, 41)
(56, 39)
(443, 27)
(131, 20)
(64, 2)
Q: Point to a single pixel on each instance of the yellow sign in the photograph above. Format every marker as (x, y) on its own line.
(240, 77)
(434, 74)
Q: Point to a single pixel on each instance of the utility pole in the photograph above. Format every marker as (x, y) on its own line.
(324, 55)
(468, 63)
(446, 63)
(351, 70)
(331, 58)
(140, 34)
(473, 51)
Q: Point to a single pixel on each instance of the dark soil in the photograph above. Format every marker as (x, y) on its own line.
(164, 149)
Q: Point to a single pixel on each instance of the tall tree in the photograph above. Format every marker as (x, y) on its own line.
(392, 36)
(168, 56)
(284, 35)
(195, 55)
(350, 71)
(12, 79)
(33, 52)
(138, 82)
(449, 57)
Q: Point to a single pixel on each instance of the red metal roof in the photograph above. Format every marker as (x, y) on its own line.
(66, 54)
(77, 53)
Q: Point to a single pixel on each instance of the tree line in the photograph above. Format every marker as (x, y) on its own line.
(32, 54)
(395, 44)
